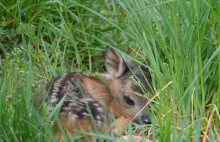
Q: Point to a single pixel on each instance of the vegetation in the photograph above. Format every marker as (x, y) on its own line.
(178, 38)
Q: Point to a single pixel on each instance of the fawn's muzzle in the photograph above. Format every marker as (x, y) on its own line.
(145, 119)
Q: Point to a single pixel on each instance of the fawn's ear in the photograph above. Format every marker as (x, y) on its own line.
(114, 63)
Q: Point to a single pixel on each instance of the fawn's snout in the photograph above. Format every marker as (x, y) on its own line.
(145, 119)
(142, 118)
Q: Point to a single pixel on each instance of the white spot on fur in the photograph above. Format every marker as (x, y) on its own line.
(73, 116)
(96, 105)
(85, 114)
(53, 98)
(87, 100)
(98, 117)
(66, 108)
(73, 104)
(99, 123)
(100, 109)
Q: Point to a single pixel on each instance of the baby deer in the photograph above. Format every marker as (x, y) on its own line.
(88, 99)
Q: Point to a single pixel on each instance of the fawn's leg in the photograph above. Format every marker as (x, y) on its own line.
(85, 115)
(132, 138)
(119, 126)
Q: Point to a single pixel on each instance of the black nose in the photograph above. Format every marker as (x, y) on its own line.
(147, 121)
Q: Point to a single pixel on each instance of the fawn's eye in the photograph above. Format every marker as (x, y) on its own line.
(128, 101)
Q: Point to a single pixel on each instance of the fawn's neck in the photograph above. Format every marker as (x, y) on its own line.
(97, 88)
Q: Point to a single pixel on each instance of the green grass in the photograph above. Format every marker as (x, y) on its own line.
(180, 40)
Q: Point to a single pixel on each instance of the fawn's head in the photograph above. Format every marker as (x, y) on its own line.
(127, 84)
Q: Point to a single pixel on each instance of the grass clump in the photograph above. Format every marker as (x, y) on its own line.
(179, 40)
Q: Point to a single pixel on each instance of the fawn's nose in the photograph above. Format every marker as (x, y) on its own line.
(145, 120)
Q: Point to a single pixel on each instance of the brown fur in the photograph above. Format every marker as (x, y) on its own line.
(112, 92)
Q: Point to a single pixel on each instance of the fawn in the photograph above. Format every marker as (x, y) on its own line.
(90, 98)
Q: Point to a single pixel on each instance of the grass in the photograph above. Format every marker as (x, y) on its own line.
(180, 40)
